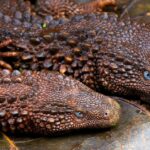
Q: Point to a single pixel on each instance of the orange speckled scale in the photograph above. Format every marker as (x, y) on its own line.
(3, 64)
(5, 43)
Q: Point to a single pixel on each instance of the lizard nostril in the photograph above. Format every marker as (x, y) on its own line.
(106, 114)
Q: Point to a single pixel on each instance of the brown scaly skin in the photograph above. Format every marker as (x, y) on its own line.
(43, 103)
(102, 51)
(20, 12)
(69, 8)
(110, 54)
(12, 11)
(49, 103)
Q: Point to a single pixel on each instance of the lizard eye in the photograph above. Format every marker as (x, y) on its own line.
(79, 114)
(147, 75)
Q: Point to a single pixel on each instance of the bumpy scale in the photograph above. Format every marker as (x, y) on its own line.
(69, 8)
(111, 54)
(102, 51)
(20, 12)
(48, 103)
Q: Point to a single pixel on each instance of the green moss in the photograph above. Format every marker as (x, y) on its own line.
(44, 26)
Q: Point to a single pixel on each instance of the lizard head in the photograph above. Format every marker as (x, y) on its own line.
(125, 70)
(56, 103)
(76, 107)
(93, 110)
